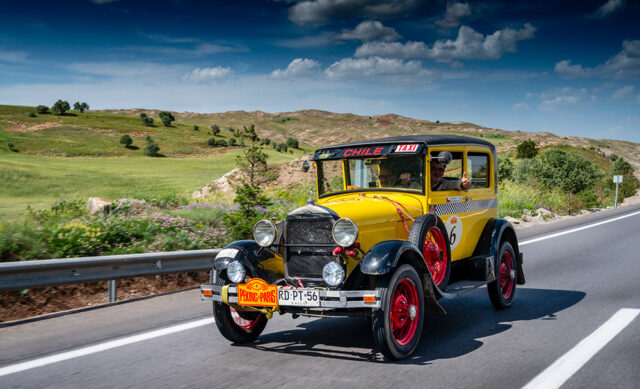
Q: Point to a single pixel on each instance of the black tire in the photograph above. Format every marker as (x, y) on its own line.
(401, 290)
(427, 242)
(503, 289)
(231, 330)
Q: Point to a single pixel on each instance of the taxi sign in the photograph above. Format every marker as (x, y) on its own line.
(258, 293)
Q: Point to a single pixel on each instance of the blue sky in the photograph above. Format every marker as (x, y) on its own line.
(568, 67)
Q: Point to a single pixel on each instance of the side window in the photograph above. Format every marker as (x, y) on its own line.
(478, 170)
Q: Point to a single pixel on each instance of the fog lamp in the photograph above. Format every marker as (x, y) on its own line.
(235, 272)
(333, 273)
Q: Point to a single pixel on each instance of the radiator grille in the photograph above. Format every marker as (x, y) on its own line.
(307, 262)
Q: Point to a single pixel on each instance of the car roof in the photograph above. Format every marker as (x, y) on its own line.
(429, 140)
(395, 145)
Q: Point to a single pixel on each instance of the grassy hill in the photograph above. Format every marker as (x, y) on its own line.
(78, 155)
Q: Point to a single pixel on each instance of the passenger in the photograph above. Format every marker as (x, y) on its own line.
(438, 183)
(406, 181)
(387, 177)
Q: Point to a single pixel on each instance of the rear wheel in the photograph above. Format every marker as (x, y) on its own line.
(502, 290)
(430, 236)
(397, 325)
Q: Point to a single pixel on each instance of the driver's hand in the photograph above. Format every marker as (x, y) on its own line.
(465, 183)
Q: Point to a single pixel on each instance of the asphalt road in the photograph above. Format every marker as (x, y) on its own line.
(575, 283)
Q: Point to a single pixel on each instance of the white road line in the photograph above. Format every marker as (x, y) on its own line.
(568, 364)
(101, 347)
(578, 229)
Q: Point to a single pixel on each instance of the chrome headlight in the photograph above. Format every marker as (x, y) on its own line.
(333, 273)
(264, 232)
(235, 272)
(345, 232)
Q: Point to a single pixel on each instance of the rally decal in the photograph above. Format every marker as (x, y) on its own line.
(454, 230)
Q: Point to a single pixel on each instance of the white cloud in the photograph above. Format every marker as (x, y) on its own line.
(318, 11)
(624, 65)
(455, 14)
(13, 56)
(608, 8)
(469, 44)
(127, 69)
(520, 107)
(370, 31)
(624, 93)
(563, 98)
(298, 68)
(208, 74)
(377, 68)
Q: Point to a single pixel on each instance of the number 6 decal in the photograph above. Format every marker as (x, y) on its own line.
(454, 230)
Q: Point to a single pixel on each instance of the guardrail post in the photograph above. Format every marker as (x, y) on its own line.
(113, 291)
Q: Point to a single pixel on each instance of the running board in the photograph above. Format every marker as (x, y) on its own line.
(461, 287)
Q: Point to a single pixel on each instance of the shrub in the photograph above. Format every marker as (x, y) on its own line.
(166, 118)
(10, 146)
(629, 184)
(126, 140)
(146, 120)
(524, 171)
(151, 149)
(233, 142)
(148, 139)
(505, 169)
(569, 172)
(293, 143)
(265, 141)
(527, 149)
(222, 143)
(60, 107)
(212, 142)
(613, 157)
(42, 109)
(215, 130)
(78, 106)
(196, 128)
(32, 115)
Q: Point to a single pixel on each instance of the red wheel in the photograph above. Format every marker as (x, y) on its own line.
(429, 235)
(503, 289)
(245, 323)
(397, 325)
(436, 255)
(238, 326)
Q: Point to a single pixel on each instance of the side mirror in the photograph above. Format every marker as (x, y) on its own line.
(305, 166)
(444, 157)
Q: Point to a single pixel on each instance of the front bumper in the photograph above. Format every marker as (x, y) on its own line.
(334, 299)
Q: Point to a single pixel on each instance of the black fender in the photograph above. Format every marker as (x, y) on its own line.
(384, 257)
(250, 254)
(493, 234)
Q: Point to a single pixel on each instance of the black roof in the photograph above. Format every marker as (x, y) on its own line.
(429, 140)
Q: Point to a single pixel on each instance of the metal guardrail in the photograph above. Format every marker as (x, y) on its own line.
(50, 272)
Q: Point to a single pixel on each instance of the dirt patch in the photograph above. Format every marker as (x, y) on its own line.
(15, 305)
(37, 127)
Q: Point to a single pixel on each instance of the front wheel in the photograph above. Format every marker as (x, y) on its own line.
(502, 290)
(237, 326)
(397, 325)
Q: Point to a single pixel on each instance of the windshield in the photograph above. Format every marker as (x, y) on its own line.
(396, 172)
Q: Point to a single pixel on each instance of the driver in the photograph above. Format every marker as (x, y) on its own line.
(437, 183)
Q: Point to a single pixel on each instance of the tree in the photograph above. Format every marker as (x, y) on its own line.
(527, 149)
(166, 118)
(232, 142)
(11, 146)
(567, 171)
(60, 107)
(293, 143)
(215, 130)
(78, 106)
(212, 142)
(253, 161)
(196, 128)
(42, 109)
(146, 120)
(505, 169)
(126, 140)
(151, 149)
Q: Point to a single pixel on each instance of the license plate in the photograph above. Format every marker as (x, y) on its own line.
(299, 297)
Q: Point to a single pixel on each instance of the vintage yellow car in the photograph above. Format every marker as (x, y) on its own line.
(399, 223)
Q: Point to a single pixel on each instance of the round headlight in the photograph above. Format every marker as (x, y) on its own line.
(345, 232)
(235, 272)
(332, 273)
(264, 232)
